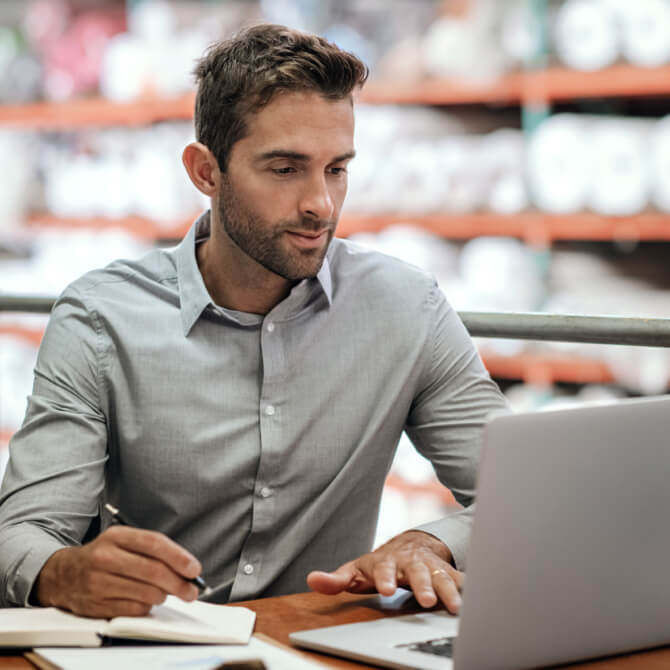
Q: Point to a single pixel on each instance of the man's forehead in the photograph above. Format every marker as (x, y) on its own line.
(302, 126)
(310, 108)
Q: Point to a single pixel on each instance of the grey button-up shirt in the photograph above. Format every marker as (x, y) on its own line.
(259, 443)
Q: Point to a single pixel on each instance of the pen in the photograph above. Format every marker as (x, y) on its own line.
(251, 664)
(122, 520)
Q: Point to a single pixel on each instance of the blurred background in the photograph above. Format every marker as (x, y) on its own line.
(517, 149)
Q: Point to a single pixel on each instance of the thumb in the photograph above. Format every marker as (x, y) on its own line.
(346, 578)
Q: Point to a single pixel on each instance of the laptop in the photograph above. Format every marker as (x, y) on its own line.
(569, 553)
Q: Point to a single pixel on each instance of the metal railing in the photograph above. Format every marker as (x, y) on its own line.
(636, 331)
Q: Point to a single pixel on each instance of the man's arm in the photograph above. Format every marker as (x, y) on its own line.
(53, 488)
(455, 399)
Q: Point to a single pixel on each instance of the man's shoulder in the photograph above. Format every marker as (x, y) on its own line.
(125, 277)
(351, 262)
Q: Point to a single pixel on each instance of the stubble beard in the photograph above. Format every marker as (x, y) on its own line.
(266, 242)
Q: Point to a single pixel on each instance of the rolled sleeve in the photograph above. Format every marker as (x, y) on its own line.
(55, 476)
(456, 399)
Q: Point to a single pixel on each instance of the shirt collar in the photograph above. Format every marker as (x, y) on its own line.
(194, 298)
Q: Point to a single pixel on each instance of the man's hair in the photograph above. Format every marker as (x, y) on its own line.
(239, 76)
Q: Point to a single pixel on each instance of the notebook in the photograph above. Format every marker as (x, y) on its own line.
(174, 621)
(568, 558)
(169, 657)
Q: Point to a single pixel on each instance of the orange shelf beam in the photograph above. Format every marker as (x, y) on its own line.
(32, 335)
(96, 112)
(533, 227)
(548, 369)
(555, 83)
(139, 226)
(431, 488)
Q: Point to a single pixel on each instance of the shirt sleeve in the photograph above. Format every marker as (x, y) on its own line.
(55, 475)
(456, 398)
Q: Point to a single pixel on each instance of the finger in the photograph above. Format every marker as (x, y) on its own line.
(385, 576)
(157, 546)
(106, 595)
(420, 581)
(151, 573)
(109, 558)
(109, 608)
(447, 589)
(347, 577)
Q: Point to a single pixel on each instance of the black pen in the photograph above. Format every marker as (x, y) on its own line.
(122, 520)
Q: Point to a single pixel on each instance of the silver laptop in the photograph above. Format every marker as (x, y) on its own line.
(569, 552)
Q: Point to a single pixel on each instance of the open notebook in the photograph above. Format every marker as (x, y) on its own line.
(174, 621)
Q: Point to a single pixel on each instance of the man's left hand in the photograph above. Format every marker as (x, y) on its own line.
(414, 559)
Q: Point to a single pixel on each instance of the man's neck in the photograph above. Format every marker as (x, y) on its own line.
(236, 285)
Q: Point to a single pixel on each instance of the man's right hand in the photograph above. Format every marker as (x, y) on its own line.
(123, 572)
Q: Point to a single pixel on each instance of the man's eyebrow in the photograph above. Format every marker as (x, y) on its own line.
(297, 156)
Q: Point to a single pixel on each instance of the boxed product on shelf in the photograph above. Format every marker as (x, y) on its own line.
(593, 34)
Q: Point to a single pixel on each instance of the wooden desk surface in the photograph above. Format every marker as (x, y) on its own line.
(277, 617)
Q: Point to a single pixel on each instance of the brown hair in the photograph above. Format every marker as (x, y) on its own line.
(239, 76)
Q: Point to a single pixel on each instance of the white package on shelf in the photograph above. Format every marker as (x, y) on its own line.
(583, 284)
(621, 180)
(586, 35)
(125, 68)
(501, 274)
(559, 165)
(645, 31)
(15, 167)
(503, 157)
(462, 47)
(519, 32)
(17, 360)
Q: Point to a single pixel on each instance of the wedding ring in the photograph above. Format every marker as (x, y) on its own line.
(439, 571)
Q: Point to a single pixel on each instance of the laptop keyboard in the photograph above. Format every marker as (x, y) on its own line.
(441, 646)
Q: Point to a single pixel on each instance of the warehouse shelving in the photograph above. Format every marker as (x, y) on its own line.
(537, 228)
(533, 226)
(547, 85)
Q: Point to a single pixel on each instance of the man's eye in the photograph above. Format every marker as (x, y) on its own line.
(283, 170)
(338, 170)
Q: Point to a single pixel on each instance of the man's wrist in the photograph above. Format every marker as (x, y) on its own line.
(47, 582)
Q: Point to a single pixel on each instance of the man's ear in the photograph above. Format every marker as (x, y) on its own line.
(202, 168)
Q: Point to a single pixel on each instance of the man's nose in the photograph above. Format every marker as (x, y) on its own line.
(317, 201)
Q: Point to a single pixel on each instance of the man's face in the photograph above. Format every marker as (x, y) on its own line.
(281, 196)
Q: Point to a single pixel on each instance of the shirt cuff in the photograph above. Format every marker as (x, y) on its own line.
(454, 531)
(25, 568)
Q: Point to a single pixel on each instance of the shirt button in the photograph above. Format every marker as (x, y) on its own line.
(269, 410)
(266, 492)
(270, 327)
(248, 569)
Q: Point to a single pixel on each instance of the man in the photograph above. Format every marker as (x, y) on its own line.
(241, 396)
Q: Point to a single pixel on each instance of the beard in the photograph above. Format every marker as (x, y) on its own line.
(267, 242)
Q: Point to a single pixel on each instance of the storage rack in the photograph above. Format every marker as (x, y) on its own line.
(536, 228)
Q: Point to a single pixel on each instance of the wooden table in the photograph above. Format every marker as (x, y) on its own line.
(277, 617)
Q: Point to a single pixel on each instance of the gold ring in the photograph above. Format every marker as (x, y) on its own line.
(438, 571)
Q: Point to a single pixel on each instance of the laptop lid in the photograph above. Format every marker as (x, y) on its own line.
(569, 549)
(570, 546)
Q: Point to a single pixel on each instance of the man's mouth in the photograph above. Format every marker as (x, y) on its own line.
(308, 239)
